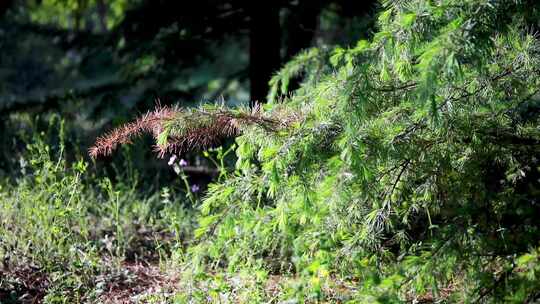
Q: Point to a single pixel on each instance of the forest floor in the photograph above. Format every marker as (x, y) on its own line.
(143, 282)
(132, 283)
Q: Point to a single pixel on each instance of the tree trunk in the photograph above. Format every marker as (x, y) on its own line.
(301, 24)
(265, 46)
(102, 13)
(5, 5)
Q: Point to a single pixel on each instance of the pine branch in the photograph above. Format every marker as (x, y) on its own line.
(149, 123)
(177, 130)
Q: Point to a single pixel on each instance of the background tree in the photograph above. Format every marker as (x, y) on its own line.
(101, 62)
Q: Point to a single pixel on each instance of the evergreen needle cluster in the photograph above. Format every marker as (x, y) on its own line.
(177, 129)
(407, 164)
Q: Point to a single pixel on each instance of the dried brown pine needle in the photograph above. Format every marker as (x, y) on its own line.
(187, 129)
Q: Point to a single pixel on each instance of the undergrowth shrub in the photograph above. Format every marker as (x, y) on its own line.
(406, 165)
(66, 235)
(44, 227)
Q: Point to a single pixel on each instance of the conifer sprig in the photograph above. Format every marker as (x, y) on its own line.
(151, 122)
(178, 129)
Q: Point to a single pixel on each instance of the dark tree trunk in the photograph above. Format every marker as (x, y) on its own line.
(301, 24)
(265, 46)
(102, 13)
(5, 5)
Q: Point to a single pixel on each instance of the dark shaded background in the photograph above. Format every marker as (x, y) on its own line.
(98, 63)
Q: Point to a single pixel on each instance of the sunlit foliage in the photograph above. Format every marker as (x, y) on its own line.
(412, 167)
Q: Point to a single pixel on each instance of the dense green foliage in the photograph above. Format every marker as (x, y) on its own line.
(404, 168)
(408, 165)
(67, 236)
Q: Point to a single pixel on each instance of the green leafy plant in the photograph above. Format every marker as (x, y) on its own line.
(67, 237)
(406, 165)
